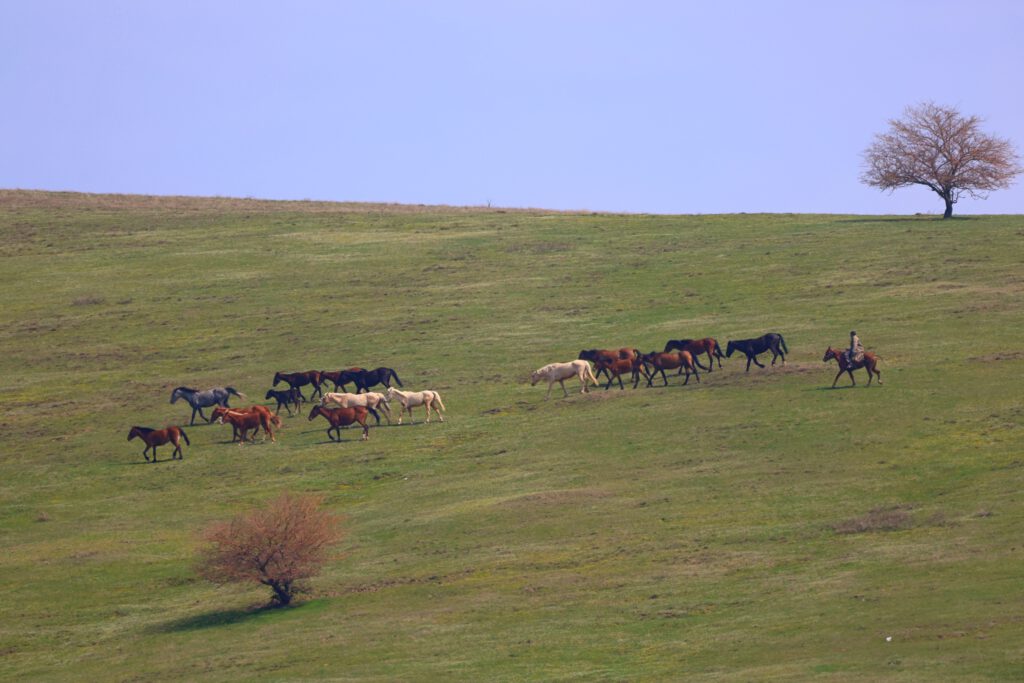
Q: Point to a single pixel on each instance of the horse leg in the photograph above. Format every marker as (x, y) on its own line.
(757, 362)
(838, 375)
(564, 390)
(439, 415)
(193, 420)
(663, 377)
(366, 433)
(853, 382)
(145, 452)
(748, 362)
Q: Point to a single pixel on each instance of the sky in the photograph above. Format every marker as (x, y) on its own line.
(646, 107)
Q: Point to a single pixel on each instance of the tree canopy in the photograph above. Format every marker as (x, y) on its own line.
(939, 148)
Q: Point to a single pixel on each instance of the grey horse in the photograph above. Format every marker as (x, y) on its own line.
(218, 396)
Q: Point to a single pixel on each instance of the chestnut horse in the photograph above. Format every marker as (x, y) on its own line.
(625, 353)
(696, 347)
(300, 379)
(342, 417)
(670, 361)
(242, 421)
(158, 437)
(869, 363)
(265, 411)
(616, 368)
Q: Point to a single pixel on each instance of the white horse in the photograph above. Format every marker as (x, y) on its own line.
(370, 399)
(559, 372)
(410, 399)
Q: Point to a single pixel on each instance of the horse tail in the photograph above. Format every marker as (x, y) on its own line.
(234, 392)
(276, 421)
(783, 342)
(590, 375)
(395, 375)
(184, 436)
(437, 397)
(718, 348)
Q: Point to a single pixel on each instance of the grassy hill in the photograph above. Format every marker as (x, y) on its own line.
(753, 527)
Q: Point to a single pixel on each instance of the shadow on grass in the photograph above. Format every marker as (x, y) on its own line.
(236, 616)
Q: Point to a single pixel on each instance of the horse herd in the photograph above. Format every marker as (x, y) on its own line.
(339, 408)
(679, 354)
(684, 355)
(342, 409)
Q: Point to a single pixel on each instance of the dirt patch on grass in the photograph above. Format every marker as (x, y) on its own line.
(895, 518)
(1002, 355)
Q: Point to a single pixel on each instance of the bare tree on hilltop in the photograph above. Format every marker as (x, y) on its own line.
(939, 148)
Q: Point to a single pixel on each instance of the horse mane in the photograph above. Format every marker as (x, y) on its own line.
(144, 430)
(194, 391)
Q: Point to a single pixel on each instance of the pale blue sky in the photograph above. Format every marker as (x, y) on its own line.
(667, 107)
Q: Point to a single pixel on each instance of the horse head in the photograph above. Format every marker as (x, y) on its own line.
(313, 413)
(830, 353)
(177, 393)
(270, 395)
(277, 378)
(587, 354)
(729, 348)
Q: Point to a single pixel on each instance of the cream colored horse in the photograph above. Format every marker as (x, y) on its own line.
(411, 399)
(370, 399)
(559, 372)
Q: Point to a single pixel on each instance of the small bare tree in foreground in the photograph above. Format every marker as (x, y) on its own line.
(939, 148)
(278, 545)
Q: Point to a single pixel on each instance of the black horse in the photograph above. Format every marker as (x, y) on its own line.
(364, 379)
(751, 347)
(218, 396)
(286, 398)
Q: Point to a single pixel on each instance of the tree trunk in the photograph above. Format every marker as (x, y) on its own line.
(949, 207)
(282, 591)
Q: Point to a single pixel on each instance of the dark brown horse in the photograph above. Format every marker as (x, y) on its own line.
(869, 363)
(670, 361)
(617, 367)
(265, 411)
(300, 379)
(286, 398)
(772, 341)
(339, 377)
(242, 421)
(696, 347)
(342, 417)
(607, 356)
(158, 437)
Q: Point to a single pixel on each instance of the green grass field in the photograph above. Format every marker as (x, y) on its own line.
(753, 527)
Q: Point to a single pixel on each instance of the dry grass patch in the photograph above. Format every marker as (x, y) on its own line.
(895, 518)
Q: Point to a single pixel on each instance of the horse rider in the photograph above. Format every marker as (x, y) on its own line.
(856, 352)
